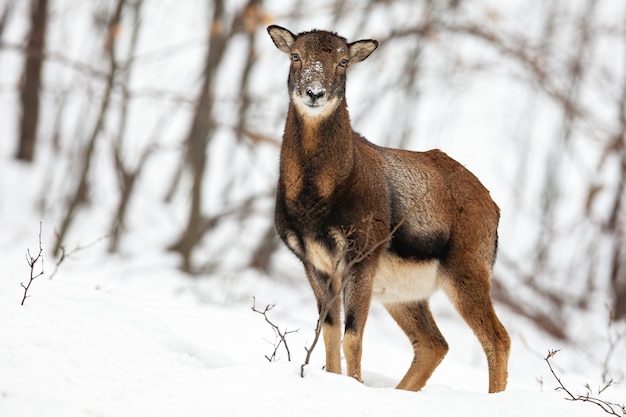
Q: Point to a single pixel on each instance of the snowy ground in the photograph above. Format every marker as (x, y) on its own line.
(134, 337)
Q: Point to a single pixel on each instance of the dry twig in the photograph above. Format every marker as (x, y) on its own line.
(280, 337)
(608, 407)
(31, 263)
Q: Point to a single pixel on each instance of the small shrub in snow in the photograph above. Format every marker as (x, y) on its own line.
(609, 407)
(280, 337)
(32, 261)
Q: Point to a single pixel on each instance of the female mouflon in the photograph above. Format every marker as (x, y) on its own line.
(370, 222)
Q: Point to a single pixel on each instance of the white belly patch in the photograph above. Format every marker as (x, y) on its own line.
(400, 280)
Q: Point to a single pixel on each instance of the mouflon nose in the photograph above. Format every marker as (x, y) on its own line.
(315, 93)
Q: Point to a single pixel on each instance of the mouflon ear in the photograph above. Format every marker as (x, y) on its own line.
(283, 38)
(360, 50)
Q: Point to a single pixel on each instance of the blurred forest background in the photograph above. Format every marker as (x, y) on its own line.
(157, 124)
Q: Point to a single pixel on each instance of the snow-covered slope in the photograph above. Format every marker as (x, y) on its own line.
(137, 338)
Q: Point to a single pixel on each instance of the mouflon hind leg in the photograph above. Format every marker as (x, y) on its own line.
(429, 345)
(470, 295)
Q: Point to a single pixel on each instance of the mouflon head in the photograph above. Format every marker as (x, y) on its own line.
(319, 60)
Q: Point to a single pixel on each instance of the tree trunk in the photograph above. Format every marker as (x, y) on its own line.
(83, 182)
(32, 81)
(201, 130)
(127, 176)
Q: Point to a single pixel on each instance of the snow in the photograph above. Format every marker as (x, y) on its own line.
(136, 337)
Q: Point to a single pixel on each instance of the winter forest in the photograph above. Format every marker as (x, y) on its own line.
(147, 132)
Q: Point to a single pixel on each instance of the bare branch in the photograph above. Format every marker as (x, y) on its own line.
(280, 336)
(608, 407)
(64, 253)
(32, 261)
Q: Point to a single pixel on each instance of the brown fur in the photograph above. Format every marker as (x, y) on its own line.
(377, 223)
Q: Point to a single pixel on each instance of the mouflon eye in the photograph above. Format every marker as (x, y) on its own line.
(344, 62)
(295, 57)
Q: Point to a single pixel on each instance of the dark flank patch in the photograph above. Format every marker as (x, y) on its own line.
(419, 247)
(408, 244)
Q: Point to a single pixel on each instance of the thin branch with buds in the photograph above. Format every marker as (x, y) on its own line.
(615, 337)
(608, 407)
(280, 337)
(32, 261)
